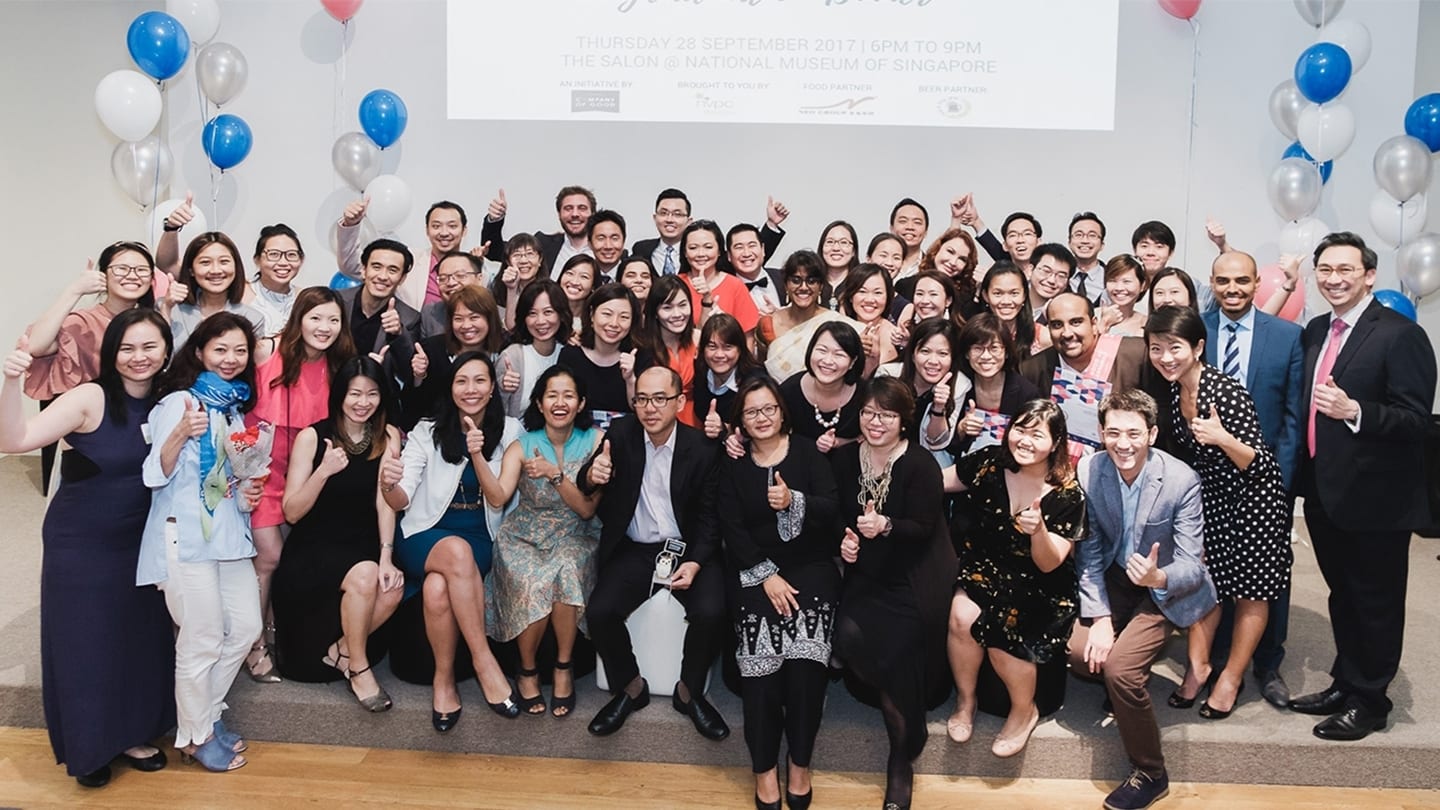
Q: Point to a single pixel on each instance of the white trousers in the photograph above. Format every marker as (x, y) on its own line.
(217, 608)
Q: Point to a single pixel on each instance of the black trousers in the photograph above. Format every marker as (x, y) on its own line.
(1367, 574)
(789, 701)
(623, 584)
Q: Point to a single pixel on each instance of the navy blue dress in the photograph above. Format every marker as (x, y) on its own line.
(107, 648)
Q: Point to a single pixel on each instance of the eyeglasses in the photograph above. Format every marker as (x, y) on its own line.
(128, 270)
(446, 278)
(523, 254)
(992, 349)
(665, 213)
(766, 411)
(1051, 272)
(653, 400)
(883, 417)
(1090, 235)
(803, 281)
(287, 255)
(1326, 271)
(838, 243)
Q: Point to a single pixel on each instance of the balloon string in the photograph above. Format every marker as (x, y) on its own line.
(1190, 130)
(204, 107)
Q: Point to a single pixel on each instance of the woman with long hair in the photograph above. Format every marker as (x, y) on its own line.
(605, 360)
(197, 545)
(1004, 291)
(638, 275)
(931, 367)
(578, 278)
(211, 281)
(1172, 286)
(542, 326)
(100, 707)
(472, 324)
(867, 297)
(336, 583)
(668, 335)
(292, 389)
(838, 249)
(723, 364)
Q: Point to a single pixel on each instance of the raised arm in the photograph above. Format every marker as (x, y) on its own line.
(78, 410)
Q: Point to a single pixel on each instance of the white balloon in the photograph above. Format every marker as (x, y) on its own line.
(192, 229)
(1326, 130)
(1354, 37)
(201, 18)
(1300, 238)
(129, 104)
(1397, 223)
(389, 202)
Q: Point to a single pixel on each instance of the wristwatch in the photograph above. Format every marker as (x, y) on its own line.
(557, 478)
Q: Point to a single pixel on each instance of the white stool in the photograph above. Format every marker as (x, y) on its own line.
(657, 634)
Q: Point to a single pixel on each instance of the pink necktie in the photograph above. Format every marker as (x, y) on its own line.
(1327, 364)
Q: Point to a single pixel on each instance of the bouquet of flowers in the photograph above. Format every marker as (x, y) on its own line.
(249, 454)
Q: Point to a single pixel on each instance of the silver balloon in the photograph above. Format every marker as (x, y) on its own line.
(356, 159)
(1286, 102)
(222, 71)
(1318, 12)
(1419, 264)
(1402, 167)
(1294, 188)
(142, 169)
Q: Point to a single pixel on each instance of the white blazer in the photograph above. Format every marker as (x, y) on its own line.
(430, 480)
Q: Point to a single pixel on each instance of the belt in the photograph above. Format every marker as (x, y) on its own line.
(466, 507)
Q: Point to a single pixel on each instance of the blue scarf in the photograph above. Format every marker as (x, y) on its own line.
(221, 398)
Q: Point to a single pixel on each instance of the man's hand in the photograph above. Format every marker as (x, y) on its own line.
(1146, 571)
(775, 212)
(1098, 644)
(684, 576)
(1331, 400)
(390, 319)
(602, 467)
(496, 211)
(354, 212)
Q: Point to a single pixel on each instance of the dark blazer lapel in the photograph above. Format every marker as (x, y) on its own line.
(1364, 325)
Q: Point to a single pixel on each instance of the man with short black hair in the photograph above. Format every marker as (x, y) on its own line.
(606, 234)
(909, 221)
(672, 214)
(1087, 239)
(746, 253)
(1051, 265)
(380, 323)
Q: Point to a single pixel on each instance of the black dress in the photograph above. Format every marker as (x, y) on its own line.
(1247, 514)
(806, 419)
(107, 648)
(1024, 611)
(606, 395)
(340, 530)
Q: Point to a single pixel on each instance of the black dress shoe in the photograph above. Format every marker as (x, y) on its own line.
(612, 715)
(1354, 723)
(706, 718)
(97, 778)
(1273, 689)
(1325, 702)
(444, 721)
(154, 762)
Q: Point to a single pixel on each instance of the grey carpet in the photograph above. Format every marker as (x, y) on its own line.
(1257, 745)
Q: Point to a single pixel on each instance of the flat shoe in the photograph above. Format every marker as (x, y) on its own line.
(1010, 746)
(960, 730)
(444, 721)
(150, 764)
(98, 778)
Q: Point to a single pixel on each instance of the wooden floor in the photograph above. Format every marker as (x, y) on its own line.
(284, 775)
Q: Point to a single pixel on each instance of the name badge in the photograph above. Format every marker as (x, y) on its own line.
(145, 433)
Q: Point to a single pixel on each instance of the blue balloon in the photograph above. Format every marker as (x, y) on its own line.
(383, 117)
(159, 44)
(340, 281)
(1322, 71)
(1422, 120)
(1296, 150)
(226, 140)
(1396, 300)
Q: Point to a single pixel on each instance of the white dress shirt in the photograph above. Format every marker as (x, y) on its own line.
(657, 258)
(654, 520)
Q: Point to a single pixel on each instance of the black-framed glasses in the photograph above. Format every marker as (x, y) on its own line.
(128, 270)
(287, 255)
(653, 400)
(766, 411)
(803, 281)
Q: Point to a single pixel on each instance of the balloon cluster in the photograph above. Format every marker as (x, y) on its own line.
(1403, 168)
(356, 158)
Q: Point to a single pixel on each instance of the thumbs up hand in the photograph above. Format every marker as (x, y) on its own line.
(419, 365)
(1331, 400)
(183, 213)
(735, 444)
(714, 425)
(601, 468)
(850, 546)
(194, 422)
(871, 524)
(354, 212)
(334, 460)
(497, 208)
(826, 442)
(480, 252)
(392, 469)
(18, 362)
(778, 494)
(1029, 521)
(940, 394)
(1146, 571)
(627, 365)
(537, 467)
(474, 437)
(972, 422)
(90, 281)
(775, 212)
(509, 378)
(379, 356)
(390, 319)
(1208, 429)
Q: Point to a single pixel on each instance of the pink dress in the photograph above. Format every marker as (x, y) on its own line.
(290, 410)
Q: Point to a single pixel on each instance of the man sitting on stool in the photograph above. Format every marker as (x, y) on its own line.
(658, 516)
(1141, 573)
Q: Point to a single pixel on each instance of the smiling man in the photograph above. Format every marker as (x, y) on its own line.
(1050, 271)
(672, 214)
(606, 234)
(1087, 239)
(378, 319)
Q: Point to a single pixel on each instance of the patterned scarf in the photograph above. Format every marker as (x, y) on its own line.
(221, 399)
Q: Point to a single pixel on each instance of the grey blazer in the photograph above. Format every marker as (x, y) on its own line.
(1170, 514)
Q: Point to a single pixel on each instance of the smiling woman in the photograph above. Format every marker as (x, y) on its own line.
(210, 281)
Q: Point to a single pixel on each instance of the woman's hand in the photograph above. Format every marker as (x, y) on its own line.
(509, 378)
(1029, 521)
(781, 595)
(419, 365)
(392, 469)
(334, 460)
(18, 362)
(850, 546)
(474, 438)
(826, 442)
(391, 577)
(627, 365)
(778, 494)
(1210, 430)
(251, 492)
(194, 422)
(940, 394)
(871, 524)
(538, 467)
(971, 423)
(735, 445)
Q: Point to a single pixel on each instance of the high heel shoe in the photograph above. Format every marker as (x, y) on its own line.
(229, 738)
(1177, 702)
(509, 708)
(378, 702)
(1211, 713)
(528, 705)
(797, 801)
(214, 756)
(444, 721)
(760, 805)
(566, 702)
(261, 669)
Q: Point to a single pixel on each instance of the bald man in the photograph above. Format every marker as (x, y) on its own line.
(1263, 352)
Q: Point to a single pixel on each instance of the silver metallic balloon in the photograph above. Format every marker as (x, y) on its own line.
(1403, 166)
(142, 169)
(356, 159)
(1286, 102)
(1294, 188)
(1419, 264)
(222, 71)
(1318, 12)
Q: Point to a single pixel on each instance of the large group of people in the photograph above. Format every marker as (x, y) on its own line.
(916, 466)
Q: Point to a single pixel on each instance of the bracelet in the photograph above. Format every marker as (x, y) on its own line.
(707, 304)
(169, 228)
(387, 545)
(387, 489)
(1287, 289)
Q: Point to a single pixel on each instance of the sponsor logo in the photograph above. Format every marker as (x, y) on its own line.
(601, 101)
(714, 105)
(844, 105)
(953, 107)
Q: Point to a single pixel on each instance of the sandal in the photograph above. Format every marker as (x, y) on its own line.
(335, 659)
(214, 756)
(530, 705)
(229, 738)
(261, 668)
(562, 706)
(378, 702)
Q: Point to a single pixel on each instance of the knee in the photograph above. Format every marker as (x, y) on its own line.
(963, 614)
(435, 593)
(245, 627)
(1122, 678)
(363, 579)
(452, 557)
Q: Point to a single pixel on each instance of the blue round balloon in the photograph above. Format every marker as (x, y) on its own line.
(1322, 71)
(1398, 301)
(226, 140)
(159, 44)
(383, 117)
(340, 281)
(1422, 120)
(1296, 150)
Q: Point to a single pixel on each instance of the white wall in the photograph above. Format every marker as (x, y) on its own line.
(60, 195)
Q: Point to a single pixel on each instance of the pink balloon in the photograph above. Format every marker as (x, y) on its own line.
(1271, 278)
(1183, 9)
(343, 10)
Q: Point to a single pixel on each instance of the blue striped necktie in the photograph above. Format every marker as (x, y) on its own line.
(1232, 351)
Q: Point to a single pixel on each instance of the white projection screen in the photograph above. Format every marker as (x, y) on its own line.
(1026, 64)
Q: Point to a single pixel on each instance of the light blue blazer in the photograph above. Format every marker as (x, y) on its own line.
(1170, 513)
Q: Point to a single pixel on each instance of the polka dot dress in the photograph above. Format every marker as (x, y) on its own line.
(1247, 515)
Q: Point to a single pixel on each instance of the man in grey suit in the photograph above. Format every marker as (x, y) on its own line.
(1141, 574)
(1263, 353)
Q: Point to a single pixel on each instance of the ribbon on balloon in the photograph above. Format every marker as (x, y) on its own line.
(1186, 10)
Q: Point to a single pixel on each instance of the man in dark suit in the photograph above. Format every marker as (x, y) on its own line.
(573, 206)
(658, 478)
(1370, 381)
(1262, 352)
(745, 249)
(606, 234)
(380, 322)
(672, 215)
